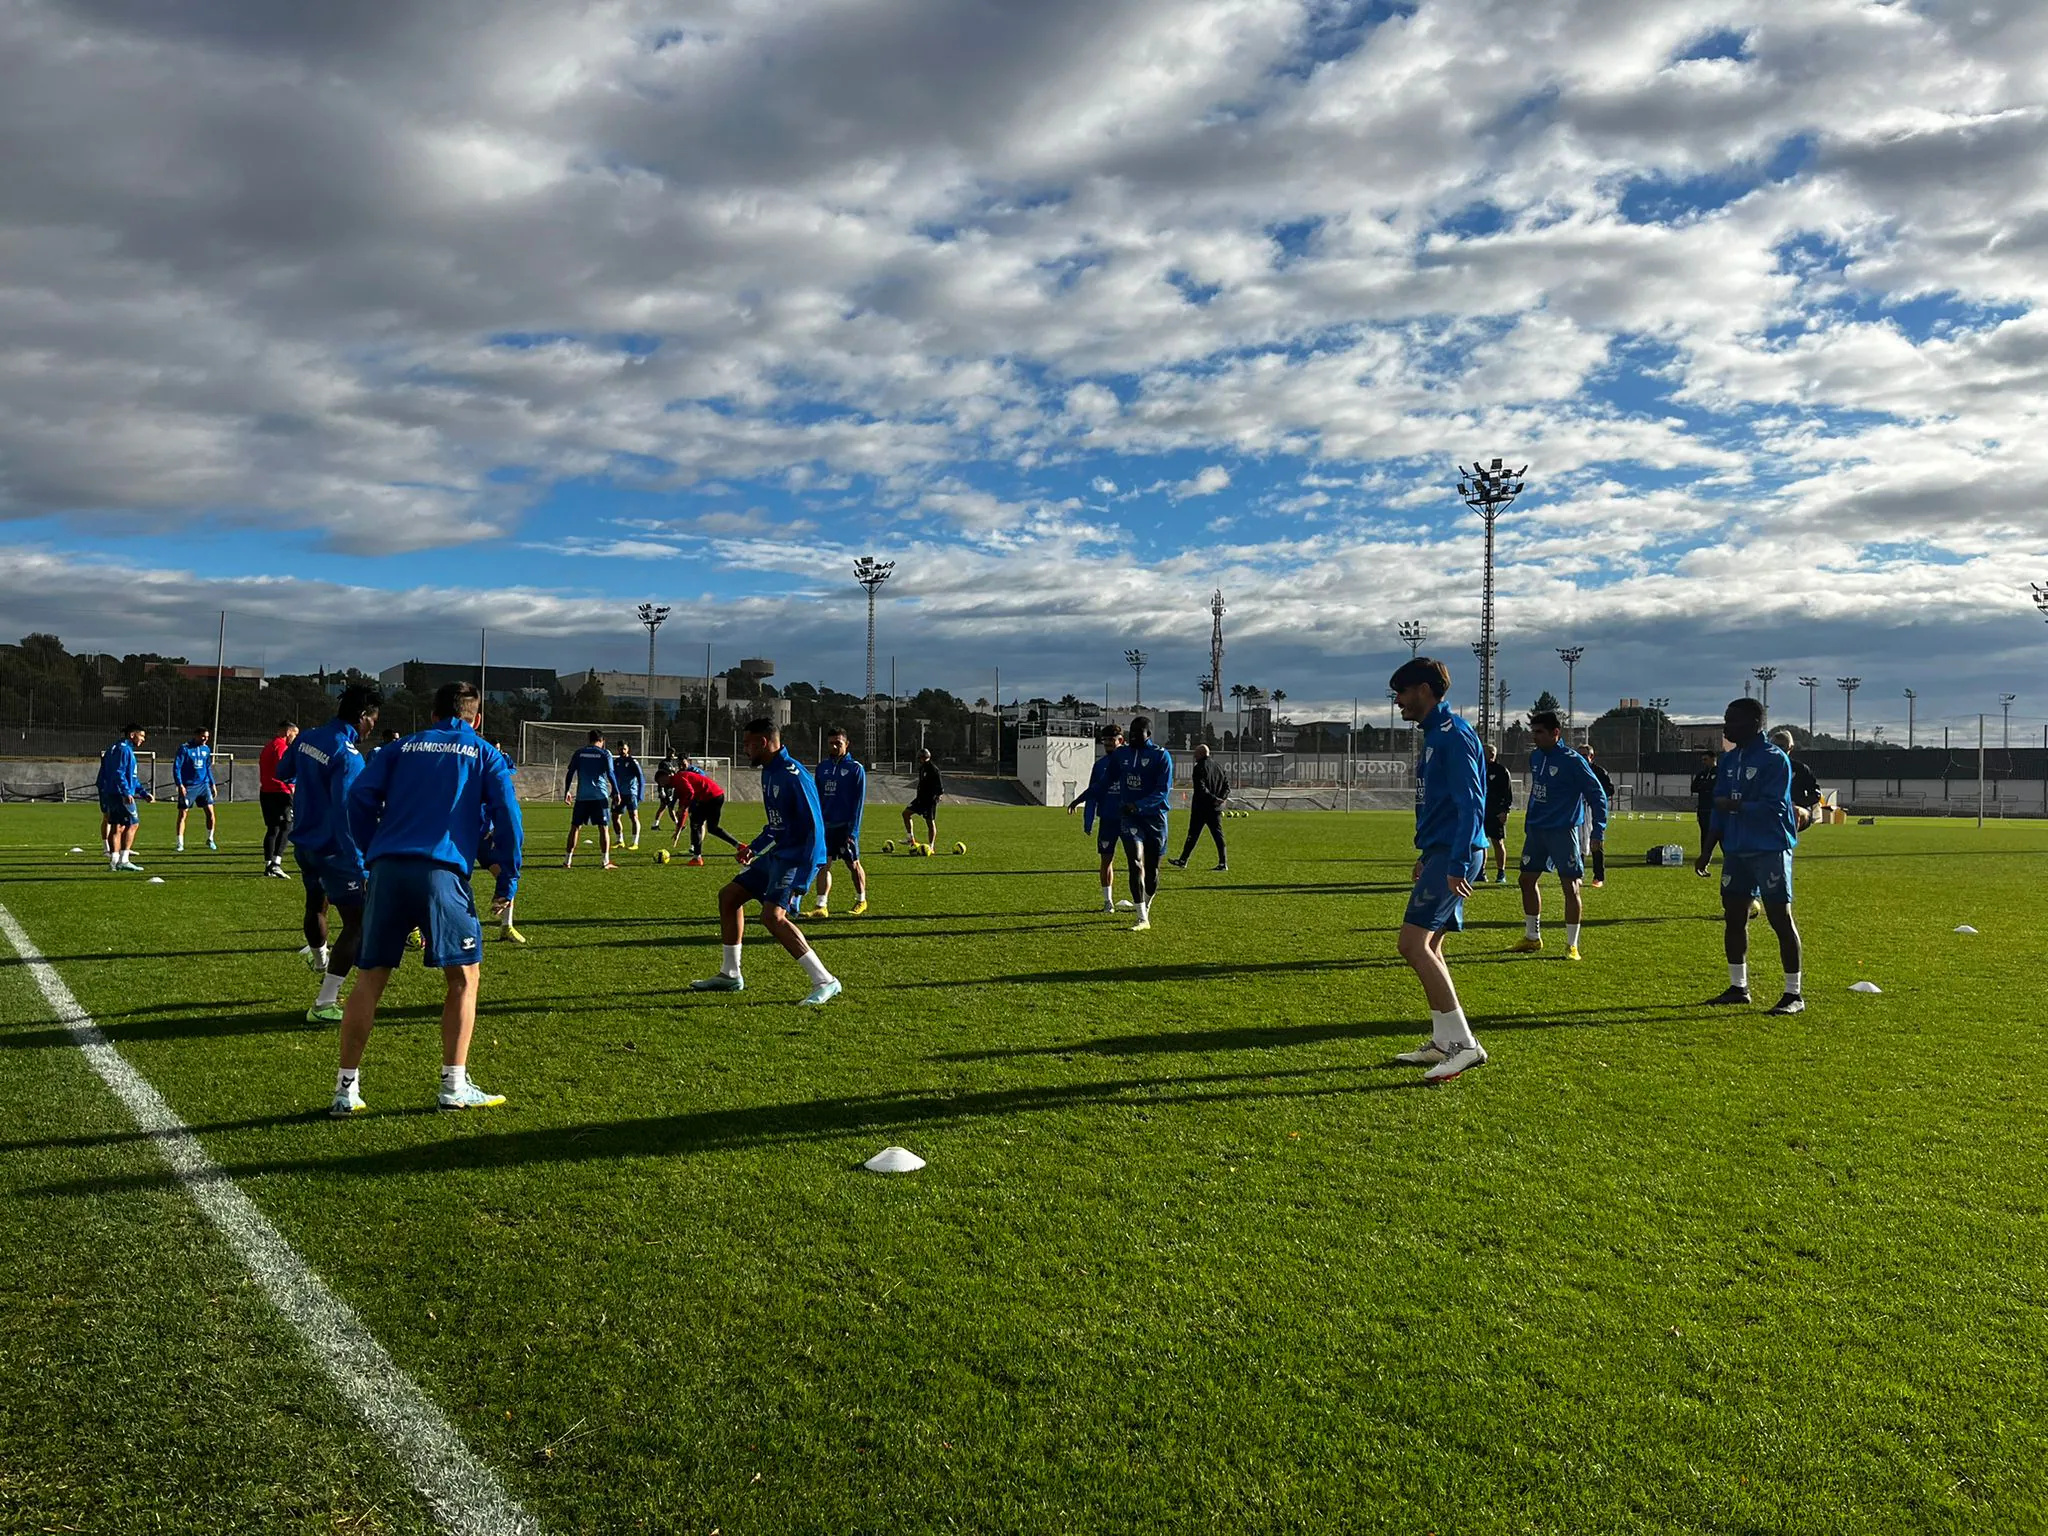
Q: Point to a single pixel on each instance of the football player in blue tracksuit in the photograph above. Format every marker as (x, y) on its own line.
(1102, 809)
(629, 784)
(1144, 789)
(1450, 834)
(192, 772)
(842, 797)
(321, 764)
(120, 786)
(418, 812)
(776, 868)
(1754, 826)
(588, 786)
(1564, 793)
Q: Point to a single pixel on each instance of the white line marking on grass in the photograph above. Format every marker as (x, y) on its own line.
(465, 1497)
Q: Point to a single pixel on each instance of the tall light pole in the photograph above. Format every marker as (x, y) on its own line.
(871, 573)
(653, 615)
(1569, 655)
(1660, 706)
(2041, 598)
(1764, 676)
(1849, 685)
(2006, 702)
(1136, 660)
(1809, 684)
(1488, 490)
(1911, 696)
(1412, 632)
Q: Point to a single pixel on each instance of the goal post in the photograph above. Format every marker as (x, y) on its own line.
(551, 743)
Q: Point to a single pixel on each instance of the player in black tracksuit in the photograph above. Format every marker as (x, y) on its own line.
(1500, 799)
(1598, 845)
(1205, 809)
(1703, 794)
(926, 802)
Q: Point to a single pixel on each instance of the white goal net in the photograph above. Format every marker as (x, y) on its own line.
(551, 743)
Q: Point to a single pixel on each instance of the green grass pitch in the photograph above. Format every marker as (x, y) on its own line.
(1189, 1255)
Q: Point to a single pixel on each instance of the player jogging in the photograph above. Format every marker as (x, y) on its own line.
(842, 797)
(418, 812)
(1450, 807)
(1500, 800)
(706, 808)
(629, 780)
(1144, 790)
(1207, 796)
(322, 764)
(588, 787)
(1103, 811)
(275, 794)
(1563, 796)
(120, 786)
(1596, 836)
(192, 772)
(775, 869)
(925, 801)
(1753, 825)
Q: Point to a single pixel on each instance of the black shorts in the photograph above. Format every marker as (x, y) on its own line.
(705, 813)
(1497, 828)
(277, 808)
(925, 808)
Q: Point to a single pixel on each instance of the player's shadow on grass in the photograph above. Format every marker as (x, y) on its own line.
(157, 1023)
(1190, 970)
(758, 1125)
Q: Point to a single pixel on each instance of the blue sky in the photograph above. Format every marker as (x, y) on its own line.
(374, 331)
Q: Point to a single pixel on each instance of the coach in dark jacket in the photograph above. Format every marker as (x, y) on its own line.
(1205, 809)
(1703, 794)
(1500, 799)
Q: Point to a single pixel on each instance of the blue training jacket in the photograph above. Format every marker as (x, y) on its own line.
(591, 770)
(1100, 797)
(119, 777)
(325, 762)
(192, 768)
(842, 792)
(1761, 776)
(1450, 793)
(629, 778)
(1562, 790)
(795, 833)
(431, 797)
(1144, 778)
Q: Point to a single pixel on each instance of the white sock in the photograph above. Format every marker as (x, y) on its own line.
(181, 845)
(1571, 935)
(1109, 895)
(330, 990)
(1738, 973)
(732, 960)
(1532, 926)
(454, 1079)
(113, 861)
(1145, 910)
(1450, 1029)
(347, 1078)
(814, 967)
(1792, 983)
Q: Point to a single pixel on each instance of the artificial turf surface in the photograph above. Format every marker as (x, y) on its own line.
(1189, 1254)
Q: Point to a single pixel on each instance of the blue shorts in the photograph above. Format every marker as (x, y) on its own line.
(776, 883)
(842, 843)
(1745, 877)
(119, 812)
(630, 799)
(1108, 833)
(1144, 836)
(590, 813)
(1431, 904)
(1546, 849)
(340, 883)
(194, 799)
(418, 893)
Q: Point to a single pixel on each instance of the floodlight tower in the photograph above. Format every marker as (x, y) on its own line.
(1849, 685)
(871, 573)
(1413, 632)
(1488, 490)
(2041, 598)
(1911, 696)
(1216, 647)
(1809, 684)
(1569, 655)
(1764, 676)
(1136, 660)
(653, 615)
(2006, 702)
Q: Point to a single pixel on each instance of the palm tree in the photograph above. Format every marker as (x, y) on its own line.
(1279, 698)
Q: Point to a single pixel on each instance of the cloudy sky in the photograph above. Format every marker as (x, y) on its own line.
(374, 323)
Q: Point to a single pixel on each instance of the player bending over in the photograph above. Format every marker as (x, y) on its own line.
(775, 869)
(842, 797)
(588, 787)
(419, 812)
(192, 772)
(664, 791)
(629, 782)
(925, 802)
(1451, 837)
(1753, 824)
(120, 786)
(1144, 789)
(706, 809)
(1101, 808)
(1563, 796)
(322, 764)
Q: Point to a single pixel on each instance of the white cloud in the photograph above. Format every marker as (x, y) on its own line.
(1206, 482)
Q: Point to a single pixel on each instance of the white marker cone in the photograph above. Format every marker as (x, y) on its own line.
(1965, 928)
(156, 879)
(1864, 986)
(78, 850)
(893, 1160)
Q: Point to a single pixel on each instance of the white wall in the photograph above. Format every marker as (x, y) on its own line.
(1054, 769)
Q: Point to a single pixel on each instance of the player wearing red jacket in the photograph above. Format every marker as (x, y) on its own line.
(705, 798)
(276, 796)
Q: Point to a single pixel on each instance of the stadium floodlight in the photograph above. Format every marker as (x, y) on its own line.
(1849, 685)
(1570, 655)
(1764, 676)
(871, 573)
(1809, 684)
(1488, 490)
(1413, 632)
(1911, 696)
(1136, 660)
(2041, 598)
(2006, 702)
(1660, 706)
(653, 615)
